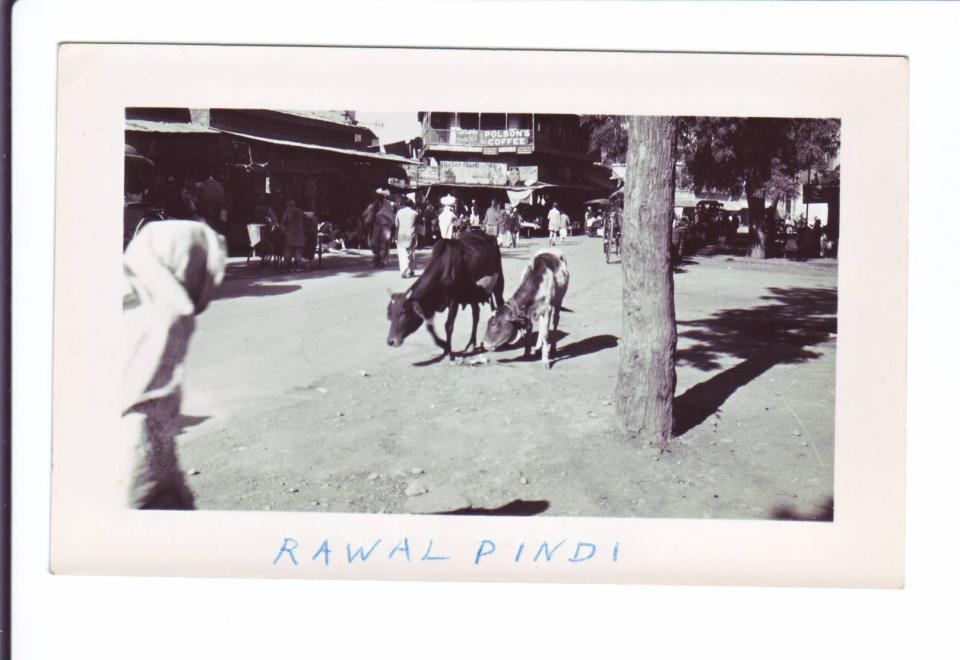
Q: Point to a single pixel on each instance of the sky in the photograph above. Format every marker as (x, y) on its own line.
(391, 126)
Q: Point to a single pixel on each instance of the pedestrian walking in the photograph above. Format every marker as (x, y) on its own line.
(447, 218)
(564, 227)
(213, 203)
(171, 271)
(503, 226)
(553, 223)
(514, 226)
(474, 214)
(491, 220)
(406, 238)
(293, 234)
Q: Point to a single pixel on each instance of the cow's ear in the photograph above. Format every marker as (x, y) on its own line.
(488, 282)
(419, 310)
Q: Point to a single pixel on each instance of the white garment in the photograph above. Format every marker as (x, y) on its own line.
(553, 218)
(172, 269)
(446, 220)
(406, 238)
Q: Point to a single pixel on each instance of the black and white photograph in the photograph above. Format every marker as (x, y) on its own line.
(353, 331)
(481, 329)
(480, 313)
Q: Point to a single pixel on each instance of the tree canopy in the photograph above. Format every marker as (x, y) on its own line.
(754, 156)
(757, 157)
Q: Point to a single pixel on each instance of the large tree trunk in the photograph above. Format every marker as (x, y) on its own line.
(645, 387)
(762, 230)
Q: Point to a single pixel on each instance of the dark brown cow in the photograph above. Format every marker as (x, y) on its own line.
(462, 271)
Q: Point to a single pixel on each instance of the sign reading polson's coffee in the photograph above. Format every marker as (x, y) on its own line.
(494, 137)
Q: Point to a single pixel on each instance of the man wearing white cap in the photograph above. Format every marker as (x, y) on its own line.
(447, 217)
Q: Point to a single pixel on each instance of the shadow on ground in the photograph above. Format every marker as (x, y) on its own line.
(256, 279)
(514, 508)
(781, 332)
(823, 513)
(184, 422)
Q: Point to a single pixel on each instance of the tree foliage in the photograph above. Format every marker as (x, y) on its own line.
(754, 156)
(757, 157)
(608, 137)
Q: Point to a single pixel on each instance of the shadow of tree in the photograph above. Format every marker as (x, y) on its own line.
(781, 332)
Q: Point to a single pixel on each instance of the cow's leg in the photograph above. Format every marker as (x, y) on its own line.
(473, 333)
(433, 333)
(451, 318)
(543, 339)
(556, 323)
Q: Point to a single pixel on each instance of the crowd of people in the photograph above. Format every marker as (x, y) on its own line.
(396, 217)
(804, 241)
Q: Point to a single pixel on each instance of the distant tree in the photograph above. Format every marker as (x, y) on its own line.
(607, 137)
(759, 157)
(647, 377)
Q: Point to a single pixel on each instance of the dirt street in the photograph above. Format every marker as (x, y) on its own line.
(294, 401)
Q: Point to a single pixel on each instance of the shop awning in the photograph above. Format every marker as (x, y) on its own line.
(371, 155)
(147, 126)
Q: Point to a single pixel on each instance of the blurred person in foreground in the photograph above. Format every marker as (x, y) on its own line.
(171, 270)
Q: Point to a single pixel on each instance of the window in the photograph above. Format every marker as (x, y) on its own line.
(441, 120)
(468, 120)
(519, 121)
(493, 121)
(357, 138)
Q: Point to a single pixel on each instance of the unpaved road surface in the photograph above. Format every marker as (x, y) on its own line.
(295, 402)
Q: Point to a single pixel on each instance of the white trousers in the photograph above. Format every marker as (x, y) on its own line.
(405, 251)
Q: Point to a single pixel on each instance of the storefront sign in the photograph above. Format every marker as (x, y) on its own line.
(506, 137)
(466, 136)
(493, 137)
(479, 173)
(525, 175)
(422, 175)
(816, 193)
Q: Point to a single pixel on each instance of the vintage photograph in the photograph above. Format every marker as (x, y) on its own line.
(480, 313)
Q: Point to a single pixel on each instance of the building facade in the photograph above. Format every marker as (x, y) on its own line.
(325, 161)
(526, 159)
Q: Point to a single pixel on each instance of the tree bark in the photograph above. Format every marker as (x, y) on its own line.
(762, 231)
(647, 377)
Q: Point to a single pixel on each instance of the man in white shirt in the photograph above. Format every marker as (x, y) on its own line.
(406, 226)
(553, 223)
(447, 217)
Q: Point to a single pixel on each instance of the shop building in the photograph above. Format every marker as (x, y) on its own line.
(324, 160)
(531, 160)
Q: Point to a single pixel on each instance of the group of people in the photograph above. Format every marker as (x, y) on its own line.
(803, 241)
(391, 217)
(558, 224)
(502, 221)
